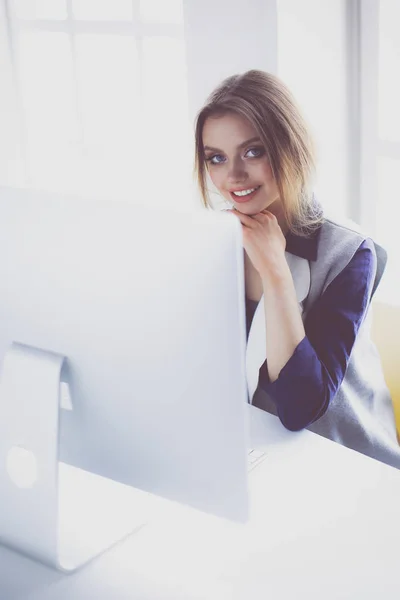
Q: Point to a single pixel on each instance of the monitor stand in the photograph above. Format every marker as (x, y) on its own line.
(54, 513)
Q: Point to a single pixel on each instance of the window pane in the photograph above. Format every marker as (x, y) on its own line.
(106, 126)
(162, 11)
(107, 67)
(102, 10)
(48, 99)
(389, 70)
(108, 89)
(167, 135)
(312, 43)
(11, 166)
(39, 9)
(387, 226)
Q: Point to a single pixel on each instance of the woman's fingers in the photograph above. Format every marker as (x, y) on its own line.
(244, 219)
(262, 217)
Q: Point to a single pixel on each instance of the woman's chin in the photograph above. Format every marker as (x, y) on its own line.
(252, 208)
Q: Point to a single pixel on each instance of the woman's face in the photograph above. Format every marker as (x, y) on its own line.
(237, 163)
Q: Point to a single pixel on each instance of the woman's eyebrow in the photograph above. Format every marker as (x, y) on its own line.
(250, 141)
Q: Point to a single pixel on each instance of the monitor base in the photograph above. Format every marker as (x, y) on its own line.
(52, 512)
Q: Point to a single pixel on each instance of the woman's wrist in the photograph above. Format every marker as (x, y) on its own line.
(276, 274)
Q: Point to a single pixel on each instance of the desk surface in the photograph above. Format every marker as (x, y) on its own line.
(325, 523)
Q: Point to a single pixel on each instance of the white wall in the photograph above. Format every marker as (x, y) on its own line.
(224, 37)
(312, 43)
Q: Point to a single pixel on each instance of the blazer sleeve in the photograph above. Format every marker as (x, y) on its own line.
(315, 371)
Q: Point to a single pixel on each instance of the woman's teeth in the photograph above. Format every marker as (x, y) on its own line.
(245, 192)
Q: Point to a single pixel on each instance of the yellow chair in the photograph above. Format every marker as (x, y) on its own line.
(386, 336)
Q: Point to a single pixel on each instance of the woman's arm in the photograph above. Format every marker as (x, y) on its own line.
(305, 364)
(285, 326)
(265, 245)
(313, 374)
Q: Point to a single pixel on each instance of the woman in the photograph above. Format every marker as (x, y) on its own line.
(309, 281)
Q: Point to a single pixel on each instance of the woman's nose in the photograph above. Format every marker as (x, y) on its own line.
(237, 172)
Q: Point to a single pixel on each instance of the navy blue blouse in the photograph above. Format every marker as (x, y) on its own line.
(317, 367)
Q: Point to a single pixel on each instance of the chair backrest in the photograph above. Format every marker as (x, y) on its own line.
(386, 336)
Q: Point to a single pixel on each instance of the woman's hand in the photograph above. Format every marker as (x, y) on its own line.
(264, 243)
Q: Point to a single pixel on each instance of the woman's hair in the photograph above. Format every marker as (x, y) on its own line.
(269, 106)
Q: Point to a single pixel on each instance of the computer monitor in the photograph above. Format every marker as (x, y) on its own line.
(140, 311)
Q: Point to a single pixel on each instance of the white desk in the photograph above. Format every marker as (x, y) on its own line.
(325, 523)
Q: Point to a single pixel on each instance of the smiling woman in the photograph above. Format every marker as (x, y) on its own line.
(308, 280)
(257, 139)
(242, 171)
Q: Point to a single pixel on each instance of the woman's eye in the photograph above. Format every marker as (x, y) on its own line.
(216, 159)
(254, 152)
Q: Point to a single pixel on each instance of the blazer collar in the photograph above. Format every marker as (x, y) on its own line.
(304, 247)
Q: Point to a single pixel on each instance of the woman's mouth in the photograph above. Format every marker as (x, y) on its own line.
(244, 195)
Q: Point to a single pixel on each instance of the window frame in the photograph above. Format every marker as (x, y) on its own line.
(371, 145)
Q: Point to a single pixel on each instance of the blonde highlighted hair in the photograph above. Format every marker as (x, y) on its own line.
(268, 105)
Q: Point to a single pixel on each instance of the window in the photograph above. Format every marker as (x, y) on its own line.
(342, 63)
(388, 145)
(101, 103)
(312, 62)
